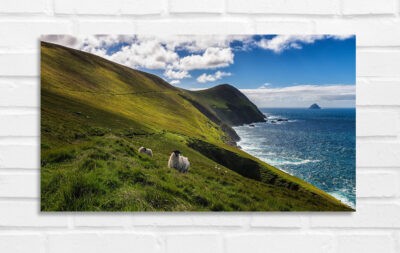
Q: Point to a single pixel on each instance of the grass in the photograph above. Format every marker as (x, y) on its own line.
(95, 114)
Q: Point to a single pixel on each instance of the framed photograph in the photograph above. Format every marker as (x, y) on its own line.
(198, 123)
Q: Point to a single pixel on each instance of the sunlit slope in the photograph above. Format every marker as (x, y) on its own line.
(96, 113)
(143, 98)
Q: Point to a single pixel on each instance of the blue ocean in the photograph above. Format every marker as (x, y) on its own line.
(315, 145)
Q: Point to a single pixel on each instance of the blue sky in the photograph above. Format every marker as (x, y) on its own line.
(272, 70)
(327, 61)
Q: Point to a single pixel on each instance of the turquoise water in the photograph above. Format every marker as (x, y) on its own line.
(315, 145)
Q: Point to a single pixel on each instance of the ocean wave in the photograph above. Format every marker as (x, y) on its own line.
(283, 160)
(278, 120)
(274, 117)
(271, 157)
(298, 162)
(312, 157)
(343, 198)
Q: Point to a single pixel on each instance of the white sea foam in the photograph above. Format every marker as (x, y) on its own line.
(275, 160)
(342, 197)
(288, 162)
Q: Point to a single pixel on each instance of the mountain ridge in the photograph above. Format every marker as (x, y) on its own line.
(230, 104)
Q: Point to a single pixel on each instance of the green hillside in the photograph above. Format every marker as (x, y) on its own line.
(95, 114)
(229, 104)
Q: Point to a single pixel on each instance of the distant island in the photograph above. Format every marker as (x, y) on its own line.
(314, 106)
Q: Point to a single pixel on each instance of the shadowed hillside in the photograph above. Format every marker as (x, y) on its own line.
(95, 114)
(229, 104)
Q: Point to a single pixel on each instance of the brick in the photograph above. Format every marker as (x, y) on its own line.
(351, 243)
(378, 154)
(364, 7)
(193, 243)
(279, 243)
(276, 220)
(378, 92)
(377, 123)
(366, 216)
(108, 7)
(283, 26)
(20, 185)
(27, 214)
(377, 184)
(23, 6)
(365, 29)
(105, 27)
(102, 242)
(378, 63)
(208, 27)
(131, 242)
(101, 220)
(164, 219)
(221, 220)
(19, 156)
(204, 220)
(203, 6)
(142, 7)
(19, 64)
(318, 7)
(19, 93)
(19, 125)
(21, 243)
(26, 34)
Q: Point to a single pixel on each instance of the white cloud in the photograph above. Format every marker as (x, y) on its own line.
(179, 74)
(303, 96)
(280, 43)
(213, 57)
(265, 85)
(340, 36)
(204, 78)
(199, 43)
(205, 52)
(147, 54)
(173, 82)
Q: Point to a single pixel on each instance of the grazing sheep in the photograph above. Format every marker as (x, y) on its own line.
(178, 161)
(146, 151)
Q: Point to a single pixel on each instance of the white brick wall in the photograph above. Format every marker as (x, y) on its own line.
(375, 227)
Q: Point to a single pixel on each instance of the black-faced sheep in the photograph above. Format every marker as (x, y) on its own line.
(178, 161)
(146, 151)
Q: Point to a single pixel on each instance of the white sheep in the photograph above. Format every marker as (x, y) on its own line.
(146, 151)
(178, 161)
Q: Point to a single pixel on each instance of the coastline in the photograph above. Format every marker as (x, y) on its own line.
(254, 145)
(337, 196)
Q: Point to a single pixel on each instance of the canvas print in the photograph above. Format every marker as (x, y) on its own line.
(198, 123)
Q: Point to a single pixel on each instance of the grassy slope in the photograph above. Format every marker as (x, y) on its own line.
(95, 114)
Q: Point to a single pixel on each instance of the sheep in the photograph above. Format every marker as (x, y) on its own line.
(178, 161)
(146, 151)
